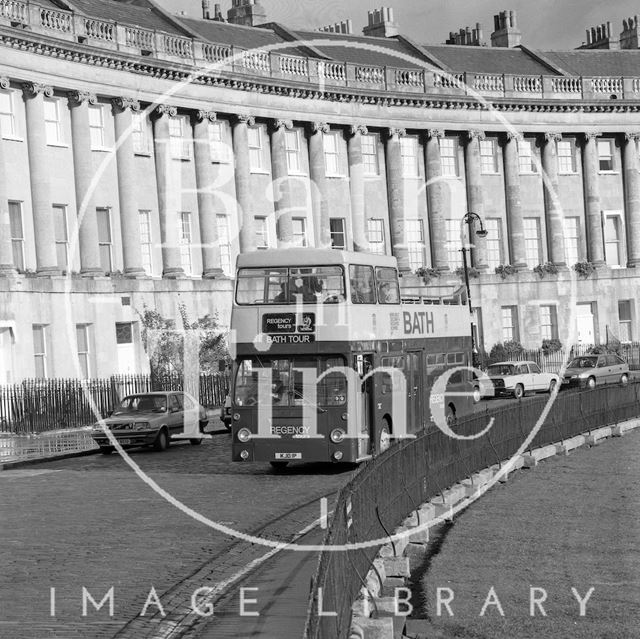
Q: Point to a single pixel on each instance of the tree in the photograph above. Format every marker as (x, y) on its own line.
(164, 342)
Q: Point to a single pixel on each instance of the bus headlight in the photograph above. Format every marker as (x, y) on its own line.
(244, 454)
(244, 435)
(337, 435)
(345, 416)
(337, 456)
(236, 417)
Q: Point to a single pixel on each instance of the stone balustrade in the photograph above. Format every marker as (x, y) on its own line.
(66, 25)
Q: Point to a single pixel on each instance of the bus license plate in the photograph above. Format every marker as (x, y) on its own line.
(288, 455)
(124, 442)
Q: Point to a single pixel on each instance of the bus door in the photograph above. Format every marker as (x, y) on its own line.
(364, 365)
(413, 374)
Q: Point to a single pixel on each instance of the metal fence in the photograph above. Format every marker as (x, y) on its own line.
(39, 405)
(386, 489)
(552, 362)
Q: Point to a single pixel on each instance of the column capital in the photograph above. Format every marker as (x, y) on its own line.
(203, 114)
(358, 128)
(514, 135)
(591, 135)
(165, 109)
(4, 82)
(552, 137)
(243, 118)
(635, 136)
(436, 134)
(123, 103)
(475, 134)
(278, 124)
(32, 89)
(77, 98)
(393, 132)
(319, 127)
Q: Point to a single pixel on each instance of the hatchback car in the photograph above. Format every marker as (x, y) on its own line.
(517, 378)
(152, 419)
(591, 370)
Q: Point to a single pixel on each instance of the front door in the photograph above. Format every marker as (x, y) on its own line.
(585, 324)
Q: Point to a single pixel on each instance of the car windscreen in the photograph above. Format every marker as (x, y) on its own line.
(141, 403)
(582, 362)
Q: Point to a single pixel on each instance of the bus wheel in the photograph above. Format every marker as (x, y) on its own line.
(195, 441)
(279, 465)
(384, 440)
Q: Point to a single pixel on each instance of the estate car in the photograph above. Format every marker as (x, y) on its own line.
(517, 378)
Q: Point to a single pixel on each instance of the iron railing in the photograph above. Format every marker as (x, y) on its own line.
(386, 489)
(39, 405)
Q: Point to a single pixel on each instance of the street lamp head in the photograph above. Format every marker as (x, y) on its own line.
(482, 232)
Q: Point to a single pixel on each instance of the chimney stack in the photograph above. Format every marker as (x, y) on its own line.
(506, 33)
(630, 36)
(381, 24)
(249, 13)
(206, 10)
(600, 37)
(467, 36)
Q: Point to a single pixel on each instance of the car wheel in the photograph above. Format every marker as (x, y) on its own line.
(477, 395)
(591, 383)
(552, 385)
(106, 450)
(162, 440)
(195, 441)
(624, 379)
(279, 465)
(518, 391)
(384, 439)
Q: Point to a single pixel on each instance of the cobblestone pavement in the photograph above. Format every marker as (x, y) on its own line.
(90, 522)
(571, 522)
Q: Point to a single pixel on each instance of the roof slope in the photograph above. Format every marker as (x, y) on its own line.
(137, 12)
(597, 62)
(461, 58)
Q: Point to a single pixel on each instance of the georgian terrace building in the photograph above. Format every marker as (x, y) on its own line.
(141, 152)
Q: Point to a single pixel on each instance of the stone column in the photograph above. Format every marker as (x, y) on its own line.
(435, 200)
(356, 184)
(172, 264)
(243, 182)
(7, 267)
(281, 187)
(206, 206)
(44, 232)
(552, 208)
(595, 239)
(475, 201)
(632, 198)
(395, 188)
(319, 200)
(127, 186)
(83, 173)
(515, 224)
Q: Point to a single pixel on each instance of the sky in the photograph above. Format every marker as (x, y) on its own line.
(545, 24)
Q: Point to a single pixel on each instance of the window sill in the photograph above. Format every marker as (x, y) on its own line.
(490, 173)
(59, 145)
(297, 174)
(259, 171)
(181, 158)
(529, 173)
(13, 138)
(335, 175)
(609, 172)
(568, 173)
(101, 149)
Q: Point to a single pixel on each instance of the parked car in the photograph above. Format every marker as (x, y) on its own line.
(591, 370)
(517, 378)
(151, 419)
(225, 413)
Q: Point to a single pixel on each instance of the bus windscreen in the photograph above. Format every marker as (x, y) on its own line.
(309, 285)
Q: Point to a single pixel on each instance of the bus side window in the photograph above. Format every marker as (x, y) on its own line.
(361, 280)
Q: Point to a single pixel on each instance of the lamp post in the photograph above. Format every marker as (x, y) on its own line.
(481, 232)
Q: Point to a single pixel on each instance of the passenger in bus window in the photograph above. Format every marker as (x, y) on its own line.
(301, 287)
(387, 294)
(281, 297)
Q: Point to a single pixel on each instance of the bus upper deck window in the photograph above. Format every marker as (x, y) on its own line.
(362, 287)
(387, 285)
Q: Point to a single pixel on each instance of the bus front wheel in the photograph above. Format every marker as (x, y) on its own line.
(384, 439)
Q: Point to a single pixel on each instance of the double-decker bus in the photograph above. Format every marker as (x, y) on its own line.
(331, 362)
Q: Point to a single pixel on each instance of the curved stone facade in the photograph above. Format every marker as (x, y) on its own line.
(139, 160)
